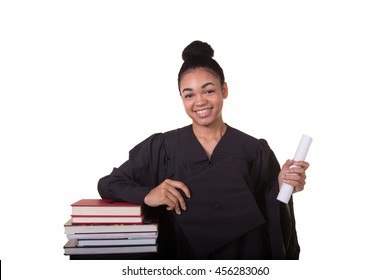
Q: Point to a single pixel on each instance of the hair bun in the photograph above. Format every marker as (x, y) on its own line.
(197, 48)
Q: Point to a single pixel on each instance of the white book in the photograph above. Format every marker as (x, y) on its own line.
(104, 228)
(71, 248)
(116, 242)
(112, 235)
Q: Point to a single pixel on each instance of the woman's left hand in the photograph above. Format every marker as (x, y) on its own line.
(294, 174)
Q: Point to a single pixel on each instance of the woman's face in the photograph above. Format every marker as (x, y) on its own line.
(202, 95)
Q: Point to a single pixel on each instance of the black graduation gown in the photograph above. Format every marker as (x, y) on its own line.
(232, 213)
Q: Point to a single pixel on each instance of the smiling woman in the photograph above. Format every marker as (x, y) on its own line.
(203, 95)
(212, 187)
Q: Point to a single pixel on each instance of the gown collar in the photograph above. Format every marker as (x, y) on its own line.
(198, 152)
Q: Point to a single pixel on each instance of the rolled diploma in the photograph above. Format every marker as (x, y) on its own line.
(286, 190)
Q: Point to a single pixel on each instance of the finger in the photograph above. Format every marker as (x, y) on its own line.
(181, 186)
(168, 196)
(177, 210)
(178, 198)
(175, 197)
(298, 166)
(173, 201)
(296, 181)
(298, 188)
(287, 164)
(170, 200)
(303, 164)
(296, 171)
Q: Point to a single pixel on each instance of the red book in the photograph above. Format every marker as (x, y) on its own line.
(104, 207)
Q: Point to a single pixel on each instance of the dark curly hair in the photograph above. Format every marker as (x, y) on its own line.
(200, 55)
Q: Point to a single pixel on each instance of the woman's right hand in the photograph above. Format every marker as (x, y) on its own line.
(167, 194)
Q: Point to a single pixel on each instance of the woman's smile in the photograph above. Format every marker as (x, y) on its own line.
(202, 113)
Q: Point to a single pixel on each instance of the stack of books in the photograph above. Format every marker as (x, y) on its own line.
(101, 227)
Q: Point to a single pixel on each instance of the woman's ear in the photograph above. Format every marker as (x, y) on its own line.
(225, 90)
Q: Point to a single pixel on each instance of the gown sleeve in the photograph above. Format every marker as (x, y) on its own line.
(144, 170)
(280, 226)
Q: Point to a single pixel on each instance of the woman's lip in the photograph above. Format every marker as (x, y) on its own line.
(203, 112)
(203, 109)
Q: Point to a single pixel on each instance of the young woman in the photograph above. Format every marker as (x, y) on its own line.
(212, 187)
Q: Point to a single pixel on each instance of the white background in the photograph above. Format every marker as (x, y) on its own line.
(82, 82)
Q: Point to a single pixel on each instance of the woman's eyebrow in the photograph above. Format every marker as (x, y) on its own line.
(207, 84)
(186, 89)
(203, 86)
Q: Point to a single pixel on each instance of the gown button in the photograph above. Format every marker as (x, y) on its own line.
(217, 206)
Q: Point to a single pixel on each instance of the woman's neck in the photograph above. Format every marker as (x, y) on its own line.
(214, 131)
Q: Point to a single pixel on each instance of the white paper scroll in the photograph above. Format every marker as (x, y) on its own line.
(286, 190)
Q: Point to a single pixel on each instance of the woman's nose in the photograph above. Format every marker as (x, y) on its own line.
(200, 100)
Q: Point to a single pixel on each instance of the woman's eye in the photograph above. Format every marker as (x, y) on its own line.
(187, 96)
(209, 91)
